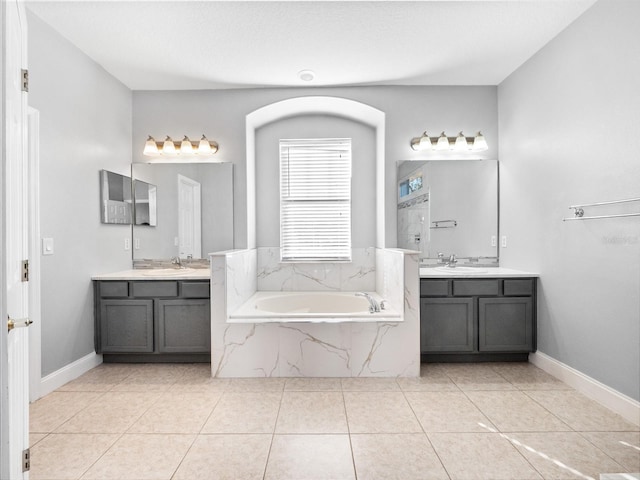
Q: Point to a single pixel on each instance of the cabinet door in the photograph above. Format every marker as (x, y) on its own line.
(505, 324)
(184, 326)
(126, 326)
(446, 325)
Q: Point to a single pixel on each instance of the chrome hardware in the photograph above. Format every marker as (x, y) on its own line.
(374, 306)
(17, 323)
(383, 304)
(177, 262)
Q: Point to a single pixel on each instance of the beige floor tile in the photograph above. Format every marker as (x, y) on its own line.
(35, 438)
(152, 378)
(51, 411)
(564, 455)
(99, 379)
(67, 456)
(199, 379)
(304, 384)
(480, 456)
(244, 412)
(256, 385)
(380, 412)
(141, 457)
(427, 383)
(177, 413)
(447, 412)
(623, 447)
(312, 412)
(480, 376)
(310, 457)
(405, 456)
(226, 457)
(113, 412)
(370, 384)
(526, 376)
(513, 411)
(581, 413)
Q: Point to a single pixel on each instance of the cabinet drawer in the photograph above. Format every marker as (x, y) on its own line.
(475, 287)
(518, 287)
(154, 288)
(114, 289)
(195, 290)
(434, 287)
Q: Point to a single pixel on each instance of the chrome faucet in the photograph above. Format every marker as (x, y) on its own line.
(452, 261)
(374, 306)
(176, 261)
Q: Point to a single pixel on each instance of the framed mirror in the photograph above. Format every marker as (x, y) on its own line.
(449, 207)
(115, 198)
(193, 210)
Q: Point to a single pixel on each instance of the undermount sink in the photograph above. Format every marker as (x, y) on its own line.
(169, 272)
(460, 270)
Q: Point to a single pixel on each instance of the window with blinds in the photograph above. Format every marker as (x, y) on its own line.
(315, 200)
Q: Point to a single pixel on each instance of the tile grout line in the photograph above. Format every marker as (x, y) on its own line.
(346, 416)
(273, 433)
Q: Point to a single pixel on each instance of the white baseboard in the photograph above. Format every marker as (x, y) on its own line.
(621, 404)
(69, 372)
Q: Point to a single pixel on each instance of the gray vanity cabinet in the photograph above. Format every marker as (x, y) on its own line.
(477, 319)
(153, 320)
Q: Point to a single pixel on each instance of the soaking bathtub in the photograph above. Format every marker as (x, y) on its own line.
(326, 307)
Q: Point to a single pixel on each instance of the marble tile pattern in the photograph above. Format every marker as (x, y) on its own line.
(436, 426)
(346, 349)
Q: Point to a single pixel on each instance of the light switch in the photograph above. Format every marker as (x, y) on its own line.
(47, 246)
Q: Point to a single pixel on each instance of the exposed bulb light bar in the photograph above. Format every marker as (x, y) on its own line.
(458, 144)
(202, 147)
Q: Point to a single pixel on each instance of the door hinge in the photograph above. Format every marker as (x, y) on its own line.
(25, 270)
(26, 460)
(25, 80)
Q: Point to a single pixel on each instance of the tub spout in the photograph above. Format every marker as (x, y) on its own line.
(374, 306)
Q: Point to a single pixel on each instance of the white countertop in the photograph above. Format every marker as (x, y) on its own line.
(488, 272)
(157, 274)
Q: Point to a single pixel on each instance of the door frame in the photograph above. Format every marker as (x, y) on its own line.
(33, 195)
(197, 214)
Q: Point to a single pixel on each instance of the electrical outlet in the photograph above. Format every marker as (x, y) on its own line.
(494, 240)
(137, 243)
(504, 241)
(127, 243)
(176, 241)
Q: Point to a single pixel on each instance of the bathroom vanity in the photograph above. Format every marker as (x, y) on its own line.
(489, 316)
(153, 317)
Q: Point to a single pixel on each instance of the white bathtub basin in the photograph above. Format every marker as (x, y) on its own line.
(460, 270)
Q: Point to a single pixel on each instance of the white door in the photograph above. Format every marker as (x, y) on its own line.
(15, 408)
(189, 222)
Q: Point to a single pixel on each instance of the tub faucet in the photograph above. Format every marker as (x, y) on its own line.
(374, 306)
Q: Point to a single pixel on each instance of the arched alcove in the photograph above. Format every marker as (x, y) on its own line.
(318, 105)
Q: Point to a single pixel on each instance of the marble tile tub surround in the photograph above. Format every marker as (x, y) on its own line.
(384, 349)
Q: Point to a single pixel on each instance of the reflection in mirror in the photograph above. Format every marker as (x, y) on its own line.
(449, 207)
(115, 198)
(194, 210)
(144, 197)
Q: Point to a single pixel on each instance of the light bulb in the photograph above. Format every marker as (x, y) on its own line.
(185, 146)
(204, 147)
(150, 147)
(425, 142)
(443, 142)
(479, 143)
(168, 147)
(461, 144)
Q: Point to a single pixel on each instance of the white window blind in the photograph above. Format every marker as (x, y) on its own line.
(315, 200)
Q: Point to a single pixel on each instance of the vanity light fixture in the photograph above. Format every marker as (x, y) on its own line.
(184, 147)
(460, 143)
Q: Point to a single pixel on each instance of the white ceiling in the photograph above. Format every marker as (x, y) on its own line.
(178, 45)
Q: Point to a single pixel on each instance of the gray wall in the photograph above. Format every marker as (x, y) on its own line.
(569, 135)
(220, 114)
(85, 126)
